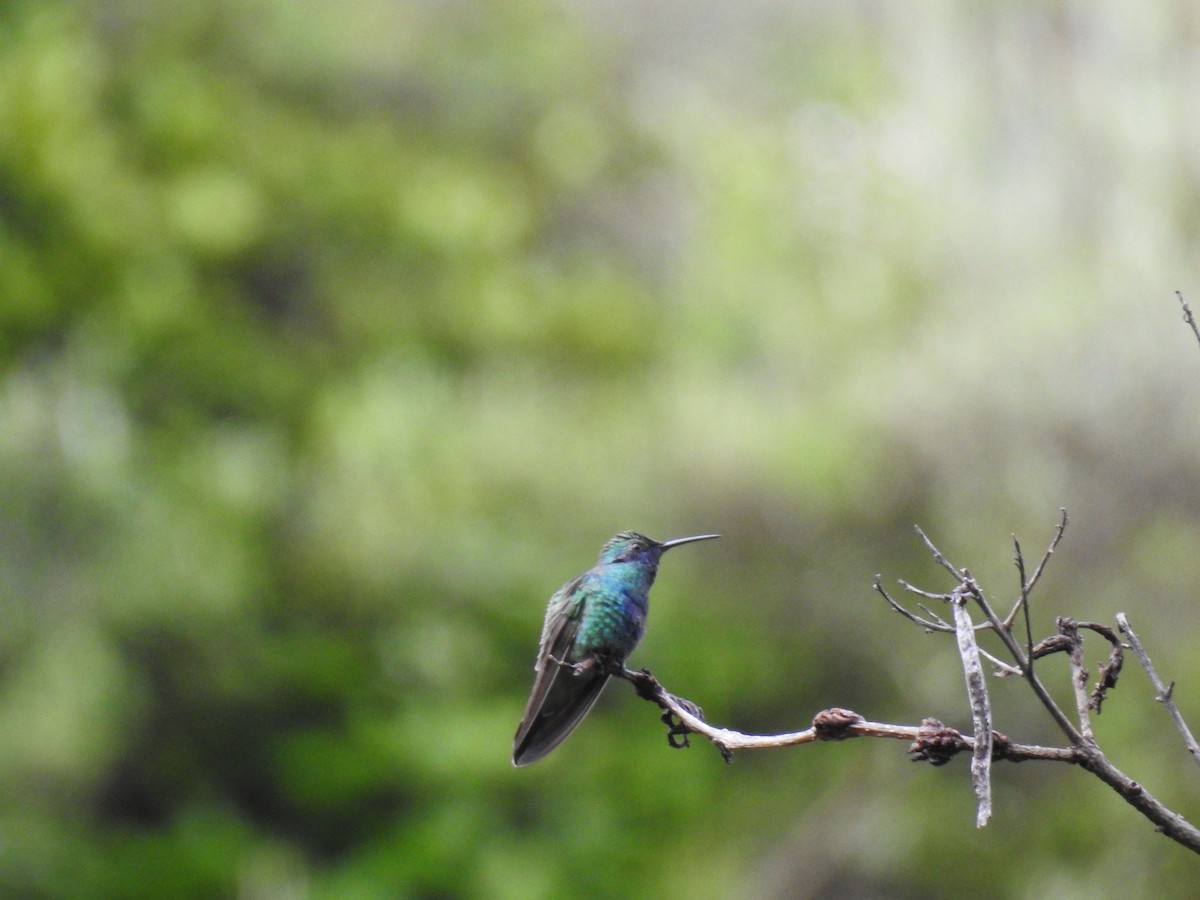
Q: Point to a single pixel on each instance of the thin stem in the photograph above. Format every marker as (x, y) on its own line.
(1070, 630)
(1187, 315)
(937, 555)
(1165, 691)
(1059, 529)
(1024, 602)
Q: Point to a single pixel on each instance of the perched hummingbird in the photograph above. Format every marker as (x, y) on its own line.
(593, 622)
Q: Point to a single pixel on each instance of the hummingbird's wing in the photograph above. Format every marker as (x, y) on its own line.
(560, 697)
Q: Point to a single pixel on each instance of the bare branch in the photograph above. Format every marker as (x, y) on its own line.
(829, 725)
(934, 742)
(1164, 691)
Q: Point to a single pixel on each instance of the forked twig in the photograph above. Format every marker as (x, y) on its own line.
(1068, 640)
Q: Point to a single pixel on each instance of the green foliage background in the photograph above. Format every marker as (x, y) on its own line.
(334, 337)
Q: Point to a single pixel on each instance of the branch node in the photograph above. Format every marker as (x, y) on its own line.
(834, 724)
(936, 743)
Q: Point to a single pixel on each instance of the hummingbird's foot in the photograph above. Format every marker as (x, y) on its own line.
(576, 668)
(649, 688)
(677, 732)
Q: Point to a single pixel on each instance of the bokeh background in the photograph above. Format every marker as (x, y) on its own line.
(334, 337)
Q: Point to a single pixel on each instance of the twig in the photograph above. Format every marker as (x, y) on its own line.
(1068, 629)
(929, 612)
(1003, 669)
(1109, 671)
(1062, 643)
(1059, 529)
(933, 623)
(1187, 315)
(1023, 601)
(937, 555)
(1028, 587)
(928, 595)
(1165, 691)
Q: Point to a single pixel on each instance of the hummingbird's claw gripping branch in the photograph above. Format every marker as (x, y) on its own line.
(677, 732)
(674, 708)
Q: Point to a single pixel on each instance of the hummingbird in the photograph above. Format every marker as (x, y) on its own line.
(593, 623)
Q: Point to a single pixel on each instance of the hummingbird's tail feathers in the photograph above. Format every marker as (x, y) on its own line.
(560, 708)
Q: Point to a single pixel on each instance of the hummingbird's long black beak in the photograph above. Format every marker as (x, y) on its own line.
(675, 542)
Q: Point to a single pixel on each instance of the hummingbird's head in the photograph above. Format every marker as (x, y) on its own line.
(631, 547)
